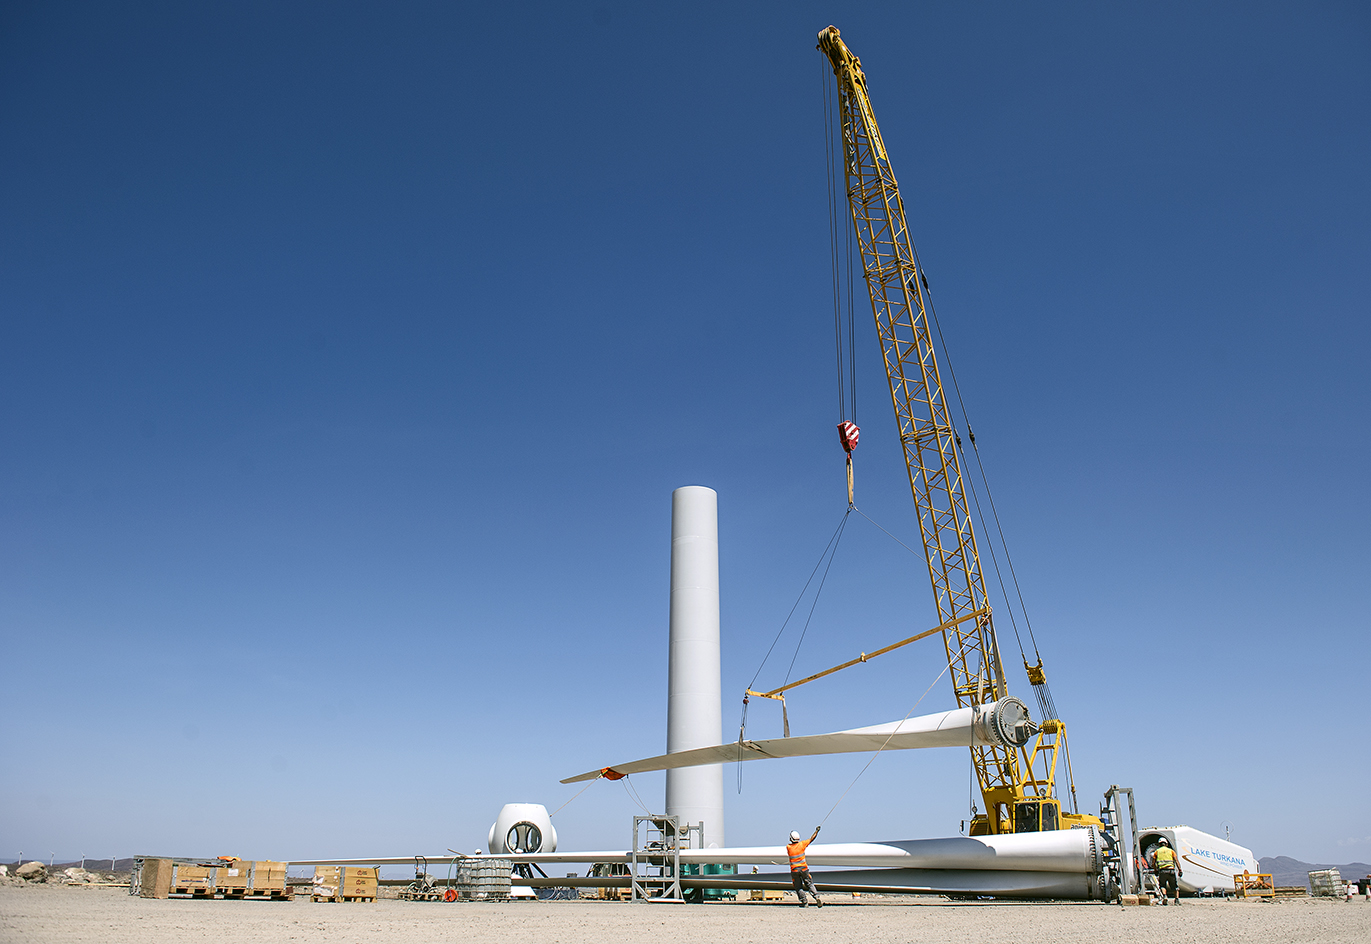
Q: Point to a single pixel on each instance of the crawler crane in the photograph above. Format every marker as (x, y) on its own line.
(1017, 785)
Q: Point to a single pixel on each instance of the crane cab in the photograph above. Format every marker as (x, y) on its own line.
(1037, 815)
(1028, 815)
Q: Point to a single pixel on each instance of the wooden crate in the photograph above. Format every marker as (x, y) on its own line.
(344, 883)
(249, 878)
(233, 878)
(326, 882)
(195, 880)
(269, 876)
(155, 878)
(358, 883)
(233, 875)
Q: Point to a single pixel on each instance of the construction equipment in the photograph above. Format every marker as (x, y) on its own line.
(423, 887)
(1254, 885)
(1017, 785)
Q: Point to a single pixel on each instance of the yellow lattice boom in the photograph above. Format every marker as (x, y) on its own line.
(897, 290)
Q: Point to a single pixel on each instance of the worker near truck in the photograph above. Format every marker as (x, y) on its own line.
(1168, 870)
(799, 867)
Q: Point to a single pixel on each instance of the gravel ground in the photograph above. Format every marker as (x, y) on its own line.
(74, 915)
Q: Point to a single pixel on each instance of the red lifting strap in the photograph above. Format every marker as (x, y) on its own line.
(847, 435)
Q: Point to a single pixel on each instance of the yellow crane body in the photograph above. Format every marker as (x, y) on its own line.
(1016, 798)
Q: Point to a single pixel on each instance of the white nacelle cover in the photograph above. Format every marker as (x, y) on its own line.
(522, 828)
(1208, 863)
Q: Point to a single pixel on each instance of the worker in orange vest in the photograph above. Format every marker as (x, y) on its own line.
(799, 868)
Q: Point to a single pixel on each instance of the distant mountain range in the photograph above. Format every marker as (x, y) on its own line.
(1287, 871)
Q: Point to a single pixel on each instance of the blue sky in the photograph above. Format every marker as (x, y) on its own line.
(349, 355)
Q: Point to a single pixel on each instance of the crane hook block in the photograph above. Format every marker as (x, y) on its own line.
(847, 435)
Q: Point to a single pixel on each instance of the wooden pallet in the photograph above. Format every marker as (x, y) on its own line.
(195, 891)
(362, 898)
(262, 894)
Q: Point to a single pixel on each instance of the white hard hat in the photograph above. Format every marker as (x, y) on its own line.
(1164, 843)
(794, 836)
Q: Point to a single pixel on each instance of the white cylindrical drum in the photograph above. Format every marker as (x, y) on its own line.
(694, 716)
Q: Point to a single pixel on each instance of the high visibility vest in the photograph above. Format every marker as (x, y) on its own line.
(796, 851)
(1166, 859)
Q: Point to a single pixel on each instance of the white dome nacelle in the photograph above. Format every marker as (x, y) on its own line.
(522, 828)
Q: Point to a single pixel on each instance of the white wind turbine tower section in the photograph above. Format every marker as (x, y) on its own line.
(694, 715)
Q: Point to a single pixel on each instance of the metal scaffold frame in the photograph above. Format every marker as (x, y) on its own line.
(1121, 838)
(655, 862)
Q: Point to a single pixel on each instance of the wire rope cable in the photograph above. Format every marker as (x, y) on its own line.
(839, 260)
(893, 732)
(568, 802)
(886, 533)
(1041, 690)
(817, 593)
(980, 466)
(995, 562)
(827, 554)
(831, 175)
(836, 533)
(632, 792)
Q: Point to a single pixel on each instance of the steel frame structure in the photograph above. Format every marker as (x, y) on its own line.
(655, 859)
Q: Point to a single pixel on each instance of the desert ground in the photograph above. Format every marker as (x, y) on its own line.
(75, 915)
